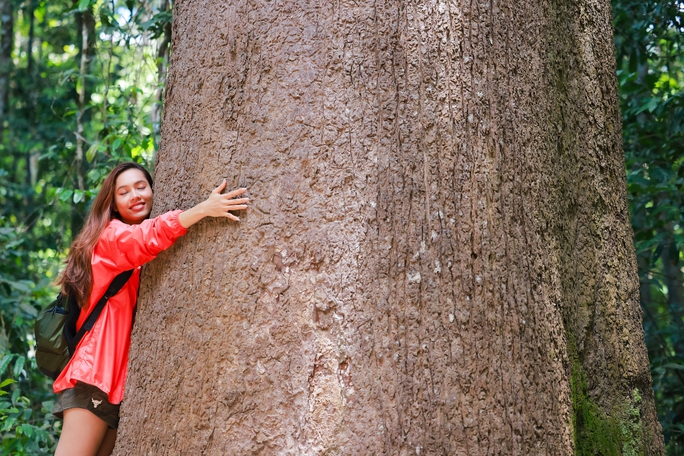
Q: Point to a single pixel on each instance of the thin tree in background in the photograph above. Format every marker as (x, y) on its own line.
(6, 45)
(163, 53)
(86, 26)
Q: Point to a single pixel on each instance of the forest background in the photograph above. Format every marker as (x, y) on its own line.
(81, 87)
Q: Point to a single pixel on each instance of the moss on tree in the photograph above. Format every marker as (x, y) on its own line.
(598, 433)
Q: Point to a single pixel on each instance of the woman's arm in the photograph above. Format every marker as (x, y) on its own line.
(217, 205)
(125, 246)
(129, 246)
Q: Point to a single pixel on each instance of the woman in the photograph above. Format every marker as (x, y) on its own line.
(117, 236)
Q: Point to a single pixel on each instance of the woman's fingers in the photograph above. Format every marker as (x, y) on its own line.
(235, 204)
(220, 205)
(220, 188)
(236, 192)
(239, 200)
(239, 207)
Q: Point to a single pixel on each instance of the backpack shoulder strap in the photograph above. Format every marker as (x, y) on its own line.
(114, 287)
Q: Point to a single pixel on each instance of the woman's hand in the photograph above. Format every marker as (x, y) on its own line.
(217, 205)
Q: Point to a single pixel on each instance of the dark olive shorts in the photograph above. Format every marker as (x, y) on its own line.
(87, 397)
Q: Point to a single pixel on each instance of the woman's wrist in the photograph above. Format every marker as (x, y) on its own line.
(192, 216)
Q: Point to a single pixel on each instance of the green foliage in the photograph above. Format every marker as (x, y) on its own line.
(25, 424)
(45, 186)
(26, 429)
(650, 66)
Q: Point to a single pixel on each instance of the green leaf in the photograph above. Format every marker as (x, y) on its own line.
(116, 145)
(20, 285)
(78, 196)
(92, 150)
(18, 366)
(83, 5)
(29, 309)
(27, 429)
(157, 23)
(658, 251)
(674, 366)
(5, 362)
(65, 194)
(7, 381)
(50, 193)
(94, 175)
(650, 105)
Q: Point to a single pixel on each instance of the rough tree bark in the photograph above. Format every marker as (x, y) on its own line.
(438, 259)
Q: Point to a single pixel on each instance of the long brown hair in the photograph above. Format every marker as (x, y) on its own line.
(77, 278)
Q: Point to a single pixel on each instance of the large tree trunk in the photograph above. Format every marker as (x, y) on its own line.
(438, 259)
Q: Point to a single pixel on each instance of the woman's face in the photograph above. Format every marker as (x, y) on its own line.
(133, 196)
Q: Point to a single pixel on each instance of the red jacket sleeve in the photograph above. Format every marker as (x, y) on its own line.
(125, 246)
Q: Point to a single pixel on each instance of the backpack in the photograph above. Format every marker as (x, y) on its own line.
(55, 328)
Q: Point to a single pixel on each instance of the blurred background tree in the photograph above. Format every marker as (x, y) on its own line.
(81, 86)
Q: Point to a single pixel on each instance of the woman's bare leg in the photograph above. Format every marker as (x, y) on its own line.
(107, 445)
(82, 433)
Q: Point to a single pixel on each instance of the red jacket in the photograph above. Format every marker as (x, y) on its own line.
(101, 358)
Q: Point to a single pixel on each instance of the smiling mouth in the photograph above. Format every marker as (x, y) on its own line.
(138, 207)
